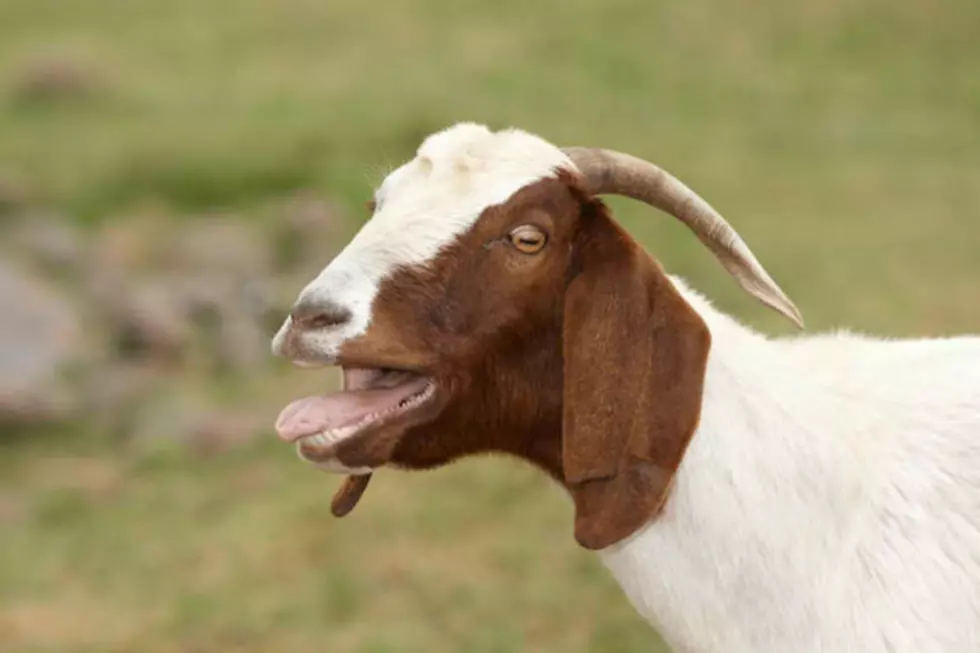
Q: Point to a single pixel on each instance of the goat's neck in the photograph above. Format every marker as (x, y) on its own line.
(757, 508)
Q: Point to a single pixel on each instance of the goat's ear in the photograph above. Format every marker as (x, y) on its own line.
(635, 356)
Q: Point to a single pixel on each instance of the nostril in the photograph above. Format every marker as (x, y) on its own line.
(319, 315)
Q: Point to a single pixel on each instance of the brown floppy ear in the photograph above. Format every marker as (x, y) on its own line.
(635, 356)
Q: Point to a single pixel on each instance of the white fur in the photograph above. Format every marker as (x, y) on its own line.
(830, 500)
(421, 207)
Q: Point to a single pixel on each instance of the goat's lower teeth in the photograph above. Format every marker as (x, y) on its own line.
(331, 436)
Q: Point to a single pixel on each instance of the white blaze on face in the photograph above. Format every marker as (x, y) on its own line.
(420, 208)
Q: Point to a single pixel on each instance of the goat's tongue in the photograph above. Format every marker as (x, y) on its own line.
(314, 415)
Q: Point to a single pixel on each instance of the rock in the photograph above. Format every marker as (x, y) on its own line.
(213, 300)
(50, 240)
(242, 343)
(144, 315)
(114, 392)
(193, 423)
(132, 245)
(221, 245)
(150, 319)
(40, 337)
(166, 319)
(231, 317)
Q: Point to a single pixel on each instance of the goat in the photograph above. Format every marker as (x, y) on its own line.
(748, 493)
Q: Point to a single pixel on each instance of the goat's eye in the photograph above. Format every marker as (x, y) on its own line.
(528, 239)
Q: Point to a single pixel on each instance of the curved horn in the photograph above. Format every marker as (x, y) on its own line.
(610, 172)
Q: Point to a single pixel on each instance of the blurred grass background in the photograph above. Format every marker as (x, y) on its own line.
(841, 137)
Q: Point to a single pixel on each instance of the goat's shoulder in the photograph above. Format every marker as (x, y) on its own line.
(932, 371)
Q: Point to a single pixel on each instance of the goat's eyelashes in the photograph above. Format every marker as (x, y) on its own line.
(528, 239)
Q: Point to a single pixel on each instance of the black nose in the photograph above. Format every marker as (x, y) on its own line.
(310, 313)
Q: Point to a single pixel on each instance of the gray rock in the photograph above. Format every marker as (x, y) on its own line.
(113, 393)
(50, 240)
(221, 245)
(242, 343)
(192, 422)
(132, 244)
(40, 337)
(202, 295)
(231, 316)
(150, 319)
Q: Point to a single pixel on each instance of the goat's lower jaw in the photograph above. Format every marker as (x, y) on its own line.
(318, 448)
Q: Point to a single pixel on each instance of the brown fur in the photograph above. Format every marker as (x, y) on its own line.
(581, 358)
(635, 357)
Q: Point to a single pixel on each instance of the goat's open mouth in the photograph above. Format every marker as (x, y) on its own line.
(371, 397)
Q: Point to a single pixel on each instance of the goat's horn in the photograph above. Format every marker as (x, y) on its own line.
(611, 172)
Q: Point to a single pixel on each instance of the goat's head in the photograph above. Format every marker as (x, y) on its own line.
(491, 304)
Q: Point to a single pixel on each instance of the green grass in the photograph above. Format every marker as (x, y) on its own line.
(841, 138)
(171, 553)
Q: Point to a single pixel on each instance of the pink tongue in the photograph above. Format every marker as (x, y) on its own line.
(315, 414)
